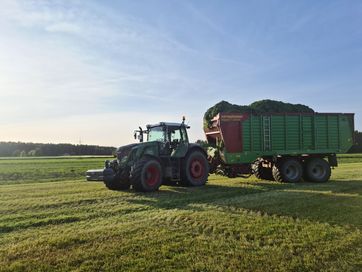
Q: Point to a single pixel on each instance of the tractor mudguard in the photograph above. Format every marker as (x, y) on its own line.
(193, 147)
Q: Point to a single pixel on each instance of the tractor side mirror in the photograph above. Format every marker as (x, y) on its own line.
(138, 136)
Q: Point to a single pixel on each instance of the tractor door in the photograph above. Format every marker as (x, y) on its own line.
(179, 142)
(159, 134)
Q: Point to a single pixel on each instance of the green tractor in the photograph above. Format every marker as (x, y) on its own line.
(166, 157)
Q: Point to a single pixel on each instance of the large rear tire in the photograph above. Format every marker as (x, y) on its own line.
(195, 169)
(147, 175)
(261, 172)
(317, 170)
(288, 170)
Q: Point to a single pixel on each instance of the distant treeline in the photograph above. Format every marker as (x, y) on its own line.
(357, 148)
(19, 149)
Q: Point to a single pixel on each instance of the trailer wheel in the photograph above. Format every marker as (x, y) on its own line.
(317, 170)
(288, 170)
(261, 172)
(195, 169)
(114, 181)
(147, 175)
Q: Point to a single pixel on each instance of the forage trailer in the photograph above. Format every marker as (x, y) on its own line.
(284, 147)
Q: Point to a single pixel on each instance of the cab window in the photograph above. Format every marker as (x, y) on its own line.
(156, 134)
(176, 135)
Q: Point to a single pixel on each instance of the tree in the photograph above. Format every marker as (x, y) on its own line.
(16, 153)
(16, 149)
(357, 147)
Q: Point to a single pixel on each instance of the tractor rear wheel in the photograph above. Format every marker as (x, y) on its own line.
(195, 169)
(288, 170)
(261, 172)
(147, 175)
(317, 170)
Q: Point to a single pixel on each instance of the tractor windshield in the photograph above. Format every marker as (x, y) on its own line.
(156, 134)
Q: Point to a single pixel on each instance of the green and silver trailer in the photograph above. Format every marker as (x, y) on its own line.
(284, 147)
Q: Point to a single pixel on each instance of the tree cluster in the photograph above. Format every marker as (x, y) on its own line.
(357, 147)
(19, 149)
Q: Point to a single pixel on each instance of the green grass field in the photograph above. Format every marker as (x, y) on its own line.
(52, 220)
(45, 169)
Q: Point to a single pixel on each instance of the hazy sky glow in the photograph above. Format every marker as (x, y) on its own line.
(95, 70)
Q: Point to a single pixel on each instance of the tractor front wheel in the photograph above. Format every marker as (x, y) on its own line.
(147, 175)
(114, 181)
(195, 169)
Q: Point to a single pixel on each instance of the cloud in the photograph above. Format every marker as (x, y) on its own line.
(46, 75)
(202, 17)
(62, 60)
(64, 27)
(60, 87)
(39, 13)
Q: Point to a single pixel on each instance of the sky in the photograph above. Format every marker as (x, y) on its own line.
(91, 72)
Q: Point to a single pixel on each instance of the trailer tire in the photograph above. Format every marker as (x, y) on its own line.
(261, 172)
(317, 170)
(147, 175)
(288, 170)
(195, 169)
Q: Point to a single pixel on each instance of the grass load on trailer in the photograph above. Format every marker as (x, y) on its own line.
(281, 146)
(258, 107)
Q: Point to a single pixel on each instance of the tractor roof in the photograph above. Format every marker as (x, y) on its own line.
(168, 124)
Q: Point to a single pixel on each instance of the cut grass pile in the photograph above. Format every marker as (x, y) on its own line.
(228, 225)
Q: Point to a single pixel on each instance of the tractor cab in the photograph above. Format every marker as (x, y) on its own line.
(171, 137)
